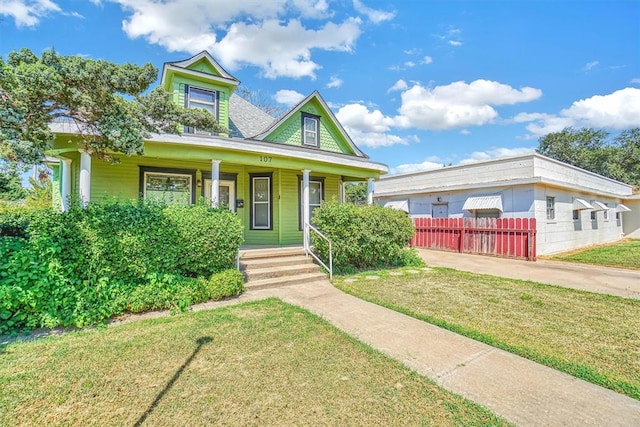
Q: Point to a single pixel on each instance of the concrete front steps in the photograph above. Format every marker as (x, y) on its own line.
(276, 267)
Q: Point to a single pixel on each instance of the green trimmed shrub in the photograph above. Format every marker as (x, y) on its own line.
(362, 237)
(208, 238)
(87, 265)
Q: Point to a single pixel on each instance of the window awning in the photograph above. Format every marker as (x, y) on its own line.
(599, 206)
(401, 205)
(580, 204)
(622, 208)
(477, 203)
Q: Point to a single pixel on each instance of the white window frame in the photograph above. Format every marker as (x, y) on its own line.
(315, 132)
(222, 183)
(269, 225)
(168, 174)
(311, 206)
(551, 208)
(191, 103)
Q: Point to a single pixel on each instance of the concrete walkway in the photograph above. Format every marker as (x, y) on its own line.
(523, 392)
(606, 280)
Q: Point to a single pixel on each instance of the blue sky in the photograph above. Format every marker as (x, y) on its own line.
(417, 84)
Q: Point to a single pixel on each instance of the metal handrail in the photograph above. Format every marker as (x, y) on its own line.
(308, 250)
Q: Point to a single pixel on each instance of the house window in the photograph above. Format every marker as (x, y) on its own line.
(261, 204)
(594, 215)
(167, 185)
(551, 207)
(310, 130)
(201, 98)
(316, 196)
(576, 215)
(606, 215)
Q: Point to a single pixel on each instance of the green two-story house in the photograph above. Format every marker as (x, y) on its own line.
(271, 172)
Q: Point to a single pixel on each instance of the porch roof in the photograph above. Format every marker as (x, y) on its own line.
(622, 208)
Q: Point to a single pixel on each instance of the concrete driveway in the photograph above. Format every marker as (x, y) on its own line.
(605, 280)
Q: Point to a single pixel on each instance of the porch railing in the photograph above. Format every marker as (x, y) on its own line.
(309, 251)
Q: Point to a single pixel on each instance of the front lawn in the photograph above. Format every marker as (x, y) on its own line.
(261, 363)
(592, 336)
(624, 254)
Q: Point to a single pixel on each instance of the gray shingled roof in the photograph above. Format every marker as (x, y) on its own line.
(245, 119)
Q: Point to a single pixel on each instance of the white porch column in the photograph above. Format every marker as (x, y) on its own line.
(65, 191)
(305, 207)
(84, 188)
(215, 183)
(370, 188)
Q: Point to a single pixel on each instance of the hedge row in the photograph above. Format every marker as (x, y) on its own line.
(364, 236)
(86, 265)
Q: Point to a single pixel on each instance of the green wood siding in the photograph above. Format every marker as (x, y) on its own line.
(179, 84)
(290, 132)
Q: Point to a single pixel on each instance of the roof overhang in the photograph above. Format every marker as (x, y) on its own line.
(478, 203)
(599, 206)
(401, 205)
(580, 204)
(247, 146)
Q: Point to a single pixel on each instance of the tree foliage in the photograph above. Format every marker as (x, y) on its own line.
(595, 151)
(356, 193)
(11, 181)
(107, 104)
(261, 100)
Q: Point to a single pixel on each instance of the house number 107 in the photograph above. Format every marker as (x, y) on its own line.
(266, 159)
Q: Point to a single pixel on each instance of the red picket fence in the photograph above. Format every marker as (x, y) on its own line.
(504, 237)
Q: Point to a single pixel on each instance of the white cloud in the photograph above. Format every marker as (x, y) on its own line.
(375, 16)
(357, 116)
(410, 64)
(28, 13)
(617, 110)
(334, 82)
(427, 60)
(266, 34)
(635, 80)
(496, 153)
(465, 132)
(374, 139)
(288, 97)
(455, 42)
(458, 104)
(399, 85)
(428, 164)
(589, 65)
(368, 128)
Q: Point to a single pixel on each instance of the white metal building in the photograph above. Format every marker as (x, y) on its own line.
(573, 207)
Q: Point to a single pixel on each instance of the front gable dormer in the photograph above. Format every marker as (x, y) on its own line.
(311, 124)
(200, 82)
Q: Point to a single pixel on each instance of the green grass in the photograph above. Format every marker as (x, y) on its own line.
(624, 254)
(261, 363)
(592, 336)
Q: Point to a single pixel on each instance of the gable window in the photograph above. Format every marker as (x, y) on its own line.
(551, 207)
(171, 186)
(594, 215)
(316, 196)
(201, 98)
(576, 215)
(261, 203)
(310, 130)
